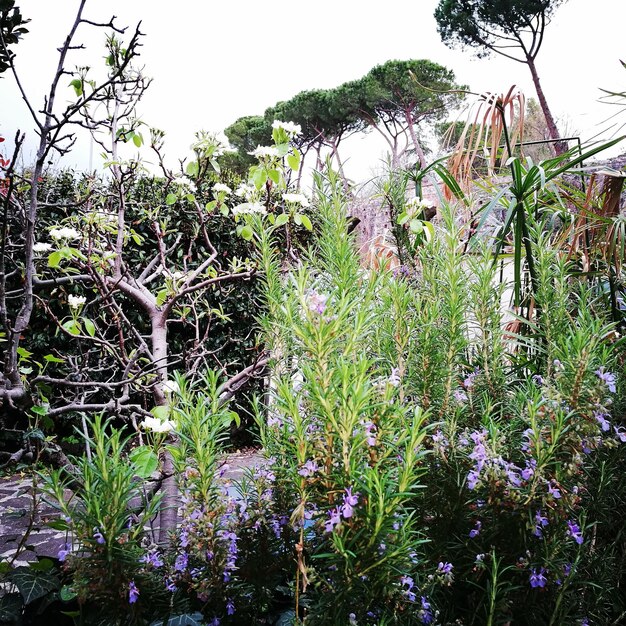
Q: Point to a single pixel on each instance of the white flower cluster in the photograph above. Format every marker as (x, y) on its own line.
(262, 152)
(184, 182)
(296, 198)
(171, 386)
(247, 208)
(292, 130)
(64, 233)
(41, 246)
(210, 143)
(246, 190)
(157, 426)
(76, 302)
(222, 188)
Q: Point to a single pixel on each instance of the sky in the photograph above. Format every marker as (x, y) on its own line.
(212, 62)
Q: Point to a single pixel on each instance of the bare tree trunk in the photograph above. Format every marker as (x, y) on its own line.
(559, 146)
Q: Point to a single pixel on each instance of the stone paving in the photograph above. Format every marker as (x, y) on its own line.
(19, 511)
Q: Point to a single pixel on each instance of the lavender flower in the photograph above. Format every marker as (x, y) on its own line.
(334, 518)
(476, 530)
(133, 592)
(554, 491)
(370, 433)
(468, 383)
(444, 568)
(317, 302)
(308, 469)
(394, 378)
(540, 522)
(601, 419)
(64, 551)
(152, 558)
(608, 378)
(230, 607)
(425, 613)
(529, 471)
(98, 536)
(349, 502)
(170, 585)
(181, 563)
(409, 583)
(537, 578)
(573, 531)
(460, 396)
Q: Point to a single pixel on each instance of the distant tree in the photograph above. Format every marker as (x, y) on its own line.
(399, 98)
(513, 28)
(245, 134)
(11, 30)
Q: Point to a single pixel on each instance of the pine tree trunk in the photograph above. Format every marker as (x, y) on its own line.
(559, 147)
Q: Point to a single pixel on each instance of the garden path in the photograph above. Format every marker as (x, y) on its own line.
(24, 513)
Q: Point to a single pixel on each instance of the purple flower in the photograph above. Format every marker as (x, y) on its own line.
(476, 530)
(620, 433)
(538, 380)
(370, 433)
(334, 516)
(98, 536)
(317, 302)
(64, 551)
(349, 502)
(601, 419)
(214, 622)
(540, 523)
(181, 563)
(230, 607)
(608, 378)
(529, 471)
(473, 478)
(460, 396)
(537, 578)
(394, 378)
(170, 585)
(573, 531)
(407, 582)
(554, 491)
(308, 469)
(152, 558)
(133, 592)
(444, 568)
(425, 614)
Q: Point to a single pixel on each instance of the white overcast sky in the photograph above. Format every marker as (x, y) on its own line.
(213, 62)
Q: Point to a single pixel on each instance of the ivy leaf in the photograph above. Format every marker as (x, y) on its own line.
(67, 594)
(33, 585)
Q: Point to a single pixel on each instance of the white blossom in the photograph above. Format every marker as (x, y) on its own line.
(220, 187)
(157, 426)
(292, 129)
(40, 246)
(296, 198)
(246, 190)
(76, 302)
(249, 207)
(171, 386)
(261, 152)
(64, 233)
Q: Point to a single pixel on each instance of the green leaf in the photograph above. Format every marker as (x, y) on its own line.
(209, 206)
(33, 585)
(39, 410)
(137, 238)
(10, 608)
(54, 259)
(145, 461)
(246, 232)
(72, 327)
(192, 168)
(293, 160)
(170, 199)
(259, 176)
(297, 218)
(67, 594)
(53, 359)
(282, 219)
(215, 165)
(25, 354)
(161, 297)
(138, 140)
(188, 619)
(306, 222)
(416, 226)
(45, 565)
(78, 86)
(274, 176)
(161, 412)
(58, 524)
(90, 327)
(190, 197)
